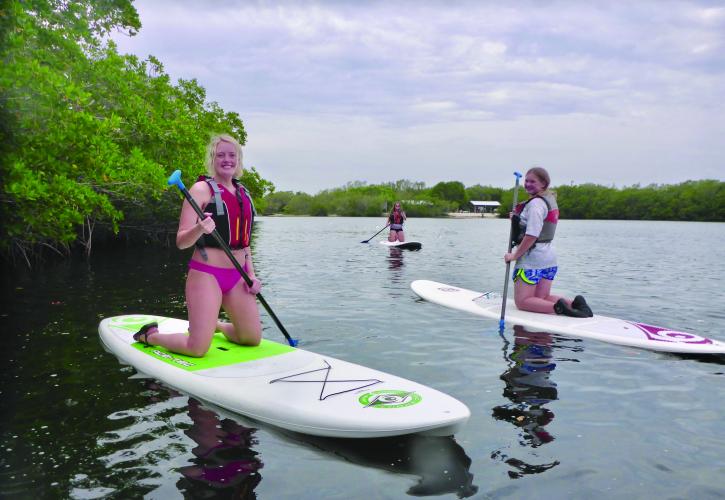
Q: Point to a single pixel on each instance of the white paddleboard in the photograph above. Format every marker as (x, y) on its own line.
(290, 388)
(613, 330)
(403, 245)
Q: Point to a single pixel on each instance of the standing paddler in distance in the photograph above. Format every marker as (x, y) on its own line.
(213, 281)
(533, 225)
(396, 219)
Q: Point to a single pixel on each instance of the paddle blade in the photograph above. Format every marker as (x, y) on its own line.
(175, 180)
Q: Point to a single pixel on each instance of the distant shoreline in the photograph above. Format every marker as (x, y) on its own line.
(472, 215)
(450, 215)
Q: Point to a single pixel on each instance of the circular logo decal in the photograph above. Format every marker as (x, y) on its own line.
(132, 323)
(132, 320)
(389, 399)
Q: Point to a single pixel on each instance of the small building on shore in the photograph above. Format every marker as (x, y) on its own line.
(484, 207)
(479, 209)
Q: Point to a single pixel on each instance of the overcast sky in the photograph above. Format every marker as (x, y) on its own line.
(615, 93)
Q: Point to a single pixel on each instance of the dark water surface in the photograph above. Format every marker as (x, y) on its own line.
(552, 417)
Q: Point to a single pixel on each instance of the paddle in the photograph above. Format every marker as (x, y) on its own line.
(508, 264)
(175, 179)
(373, 236)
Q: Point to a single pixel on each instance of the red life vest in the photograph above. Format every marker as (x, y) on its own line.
(233, 215)
(396, 218)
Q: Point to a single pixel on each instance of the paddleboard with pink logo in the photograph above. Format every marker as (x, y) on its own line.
(604, 328)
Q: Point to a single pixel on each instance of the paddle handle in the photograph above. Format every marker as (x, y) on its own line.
(373, 236)
(175, 180)
(508, 264)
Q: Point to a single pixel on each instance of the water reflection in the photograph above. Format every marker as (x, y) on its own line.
(440, 463)
(224, 463)
(218, 460)
(529, 388)
(222, 459)
(395, 259)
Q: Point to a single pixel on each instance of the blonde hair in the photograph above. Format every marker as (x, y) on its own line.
(211, 153)
(544, 177)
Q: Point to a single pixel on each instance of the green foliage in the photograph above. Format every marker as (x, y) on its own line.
(358, 199)
(276, 202)
(689, 201)
(484, 193)
(258, 187)
(453, 191)
(300, 204)
(702, 200)
(89, 135)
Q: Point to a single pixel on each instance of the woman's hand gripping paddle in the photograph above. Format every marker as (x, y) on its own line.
(508, 264)
(373, 236)
(175, 180)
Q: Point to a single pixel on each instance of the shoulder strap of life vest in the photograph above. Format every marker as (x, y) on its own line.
(217, 195)
(522, 205)
(247, 193)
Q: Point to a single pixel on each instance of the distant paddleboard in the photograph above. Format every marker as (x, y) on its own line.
(403, 245)
(606, 329)
(289, 388)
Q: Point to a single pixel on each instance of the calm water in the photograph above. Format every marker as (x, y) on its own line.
(552, 417)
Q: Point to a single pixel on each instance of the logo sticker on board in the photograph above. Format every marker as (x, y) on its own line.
(389, 399)
(657, 333)
(132, 323)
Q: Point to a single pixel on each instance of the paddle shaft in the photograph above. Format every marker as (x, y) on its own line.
(223, 245)
(373, 236)
(508, 264)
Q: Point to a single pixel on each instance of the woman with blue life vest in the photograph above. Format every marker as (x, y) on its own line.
(396, 219)
(212, 281)
(533, 225)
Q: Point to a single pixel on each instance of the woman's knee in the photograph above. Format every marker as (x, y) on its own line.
(254, 341)
(520, 302)
(198, 345)
(197, 350)
(249, 334)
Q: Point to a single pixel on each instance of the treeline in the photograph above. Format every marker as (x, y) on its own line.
(363, 200)
(89, 136)
(702, 200)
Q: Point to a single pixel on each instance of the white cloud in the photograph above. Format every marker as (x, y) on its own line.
(376, 90)
(713, 16)
(432, 106)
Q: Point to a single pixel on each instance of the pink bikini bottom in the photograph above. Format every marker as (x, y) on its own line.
(226, 277)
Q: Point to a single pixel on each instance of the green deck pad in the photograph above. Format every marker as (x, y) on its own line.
(222, 352)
